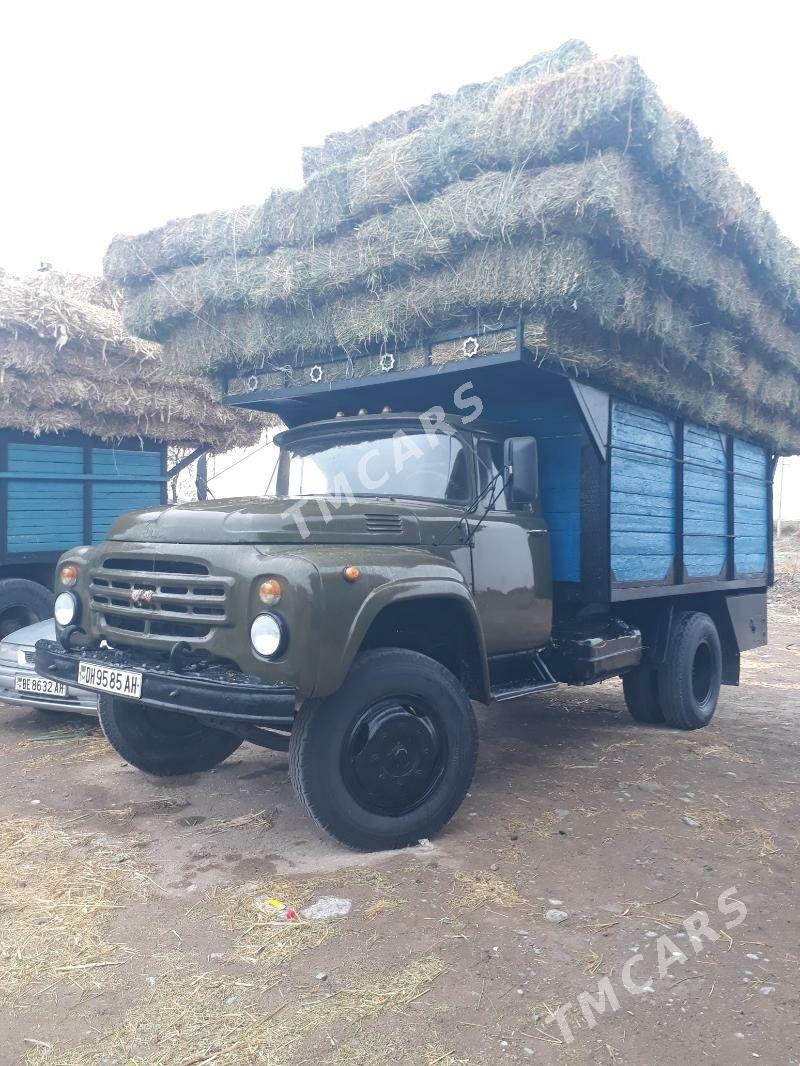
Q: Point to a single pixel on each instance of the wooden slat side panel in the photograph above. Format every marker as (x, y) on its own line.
(705, 501)
(750, 508)
(643, 487)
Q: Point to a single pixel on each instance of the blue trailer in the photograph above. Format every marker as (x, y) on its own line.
(58, 490)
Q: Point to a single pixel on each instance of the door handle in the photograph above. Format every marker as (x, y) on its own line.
(537, 532)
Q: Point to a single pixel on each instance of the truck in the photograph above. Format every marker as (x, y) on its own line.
(474, 529)
(57, 489)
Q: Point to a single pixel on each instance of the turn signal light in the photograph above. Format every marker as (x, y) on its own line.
(68, 575)
(351, 573)
(270, 591)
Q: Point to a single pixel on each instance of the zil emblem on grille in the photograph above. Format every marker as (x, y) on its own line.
(143, 597)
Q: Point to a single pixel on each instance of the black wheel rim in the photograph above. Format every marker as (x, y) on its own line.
(394, 755)
(703, 673)
(16, 616)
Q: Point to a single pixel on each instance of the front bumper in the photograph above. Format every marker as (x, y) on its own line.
(205, 691)
(76, 701)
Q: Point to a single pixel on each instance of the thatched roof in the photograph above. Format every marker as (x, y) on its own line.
(565, 189)
(67, 363)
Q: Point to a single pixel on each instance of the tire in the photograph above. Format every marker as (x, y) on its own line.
(388, 758)
(690, 678)
(640, 687)
(162, 743)
(23, 602)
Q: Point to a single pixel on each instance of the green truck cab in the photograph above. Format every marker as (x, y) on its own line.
(407, 565)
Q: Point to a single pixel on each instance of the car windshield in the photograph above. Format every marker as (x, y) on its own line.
(421, 465)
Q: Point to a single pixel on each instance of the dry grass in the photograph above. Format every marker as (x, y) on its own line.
(60, 890)
(67, 744)
(720, 751)
(708, 818)
(261, 820)
(380, 907)
(594, 105)
(67, 363)
(474, 890)
(270, 941)
(682, 289)
(756, 842)
(197, 1018)
(603, 198)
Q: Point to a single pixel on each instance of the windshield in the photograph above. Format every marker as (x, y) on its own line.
(422, 465)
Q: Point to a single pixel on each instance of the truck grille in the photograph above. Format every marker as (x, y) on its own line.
(166, 598)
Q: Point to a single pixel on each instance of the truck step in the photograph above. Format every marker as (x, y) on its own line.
(500, 695)
(537, 678)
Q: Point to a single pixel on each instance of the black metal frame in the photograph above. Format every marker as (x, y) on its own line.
(214, 692)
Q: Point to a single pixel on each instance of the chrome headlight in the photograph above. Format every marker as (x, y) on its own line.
(67, 608)
(268, 635)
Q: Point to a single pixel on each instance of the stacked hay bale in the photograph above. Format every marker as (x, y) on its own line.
(566, 192)
(67, 363)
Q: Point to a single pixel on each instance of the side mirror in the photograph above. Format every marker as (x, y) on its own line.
(521, 458)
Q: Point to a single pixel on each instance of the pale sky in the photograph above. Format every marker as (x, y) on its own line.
(118, 116)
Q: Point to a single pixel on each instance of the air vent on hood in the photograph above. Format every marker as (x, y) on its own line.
(390, 524)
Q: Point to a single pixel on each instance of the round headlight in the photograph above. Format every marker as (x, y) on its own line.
(66, 608)
(268, 635)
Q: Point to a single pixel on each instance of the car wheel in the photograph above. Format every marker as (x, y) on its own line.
(162, 743)
(389, 757)
(690, 678)
(22, 603)
(640, 687)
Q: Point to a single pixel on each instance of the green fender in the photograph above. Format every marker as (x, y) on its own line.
(413, 588)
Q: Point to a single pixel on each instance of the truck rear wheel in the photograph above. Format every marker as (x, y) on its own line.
(162, 743)
(690, 678)
(640, 687)
(388, 758)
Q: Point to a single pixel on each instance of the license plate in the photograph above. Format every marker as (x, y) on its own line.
(39, 686)
(125, 683)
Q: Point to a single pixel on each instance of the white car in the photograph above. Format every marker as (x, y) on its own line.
(19, 682)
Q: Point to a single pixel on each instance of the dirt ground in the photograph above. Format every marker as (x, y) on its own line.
(134, 927)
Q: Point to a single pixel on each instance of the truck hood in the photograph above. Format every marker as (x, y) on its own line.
(281, 520)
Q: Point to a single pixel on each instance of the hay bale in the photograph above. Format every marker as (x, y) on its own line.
(66, 362)
(603, 197)
(338, 148)
(592, 106)
(560, 275)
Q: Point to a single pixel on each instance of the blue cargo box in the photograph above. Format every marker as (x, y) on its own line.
(59, 491)
(639, 503)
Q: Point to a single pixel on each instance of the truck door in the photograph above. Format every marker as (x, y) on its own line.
(511, 574)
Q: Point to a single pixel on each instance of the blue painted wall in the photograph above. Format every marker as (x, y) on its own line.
(642, 457)
(46, 492)
(705, 502)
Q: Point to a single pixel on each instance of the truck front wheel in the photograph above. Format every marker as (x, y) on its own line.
(388, 758)
(162, 743)
(689, 679)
